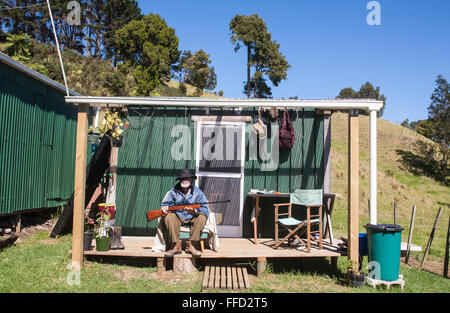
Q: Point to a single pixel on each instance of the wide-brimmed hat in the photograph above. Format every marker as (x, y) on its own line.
(186, 173)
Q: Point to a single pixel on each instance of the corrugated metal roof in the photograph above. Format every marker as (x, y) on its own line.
(333, 104)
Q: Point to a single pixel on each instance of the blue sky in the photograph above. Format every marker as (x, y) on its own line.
(328, 44)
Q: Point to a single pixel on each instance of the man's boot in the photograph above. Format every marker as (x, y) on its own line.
(116, 242)
(175, 249)
(191, 249)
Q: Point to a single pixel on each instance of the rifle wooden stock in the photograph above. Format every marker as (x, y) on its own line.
(151, 215)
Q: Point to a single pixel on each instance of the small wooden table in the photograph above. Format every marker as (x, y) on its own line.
(328, 203)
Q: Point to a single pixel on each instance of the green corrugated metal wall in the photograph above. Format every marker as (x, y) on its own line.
(146, 170)
(37, 144)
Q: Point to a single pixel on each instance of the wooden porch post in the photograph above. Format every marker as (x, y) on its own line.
(353, 185)
(80, 187)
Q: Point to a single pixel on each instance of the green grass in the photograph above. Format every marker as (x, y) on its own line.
(37, 266)
(395, 183)
(41, 265)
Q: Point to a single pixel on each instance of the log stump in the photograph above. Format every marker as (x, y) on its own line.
(184, 265)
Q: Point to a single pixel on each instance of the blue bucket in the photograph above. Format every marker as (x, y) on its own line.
(362, 244)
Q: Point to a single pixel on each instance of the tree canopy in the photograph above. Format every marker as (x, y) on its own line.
(99, 21)
(367, 91)
(195, 70)
(263, 54)
(151, 47)
(439, 111)
(439, 116)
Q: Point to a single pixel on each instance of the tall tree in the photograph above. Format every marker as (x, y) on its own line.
(94, 30)
(346, 93)
(25, 17)
(152, 47)
(262, 53)
(197, 71)
(439, 115)
(95, 36)
(367, 91)
(118, 13)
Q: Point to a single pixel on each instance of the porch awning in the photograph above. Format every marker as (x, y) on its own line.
(333, 104)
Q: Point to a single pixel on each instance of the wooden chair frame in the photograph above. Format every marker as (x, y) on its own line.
(293, 232)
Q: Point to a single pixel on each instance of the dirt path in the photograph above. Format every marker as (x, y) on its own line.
(435, 267)
(31, 223)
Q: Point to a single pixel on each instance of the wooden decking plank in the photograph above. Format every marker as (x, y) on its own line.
(229, 277)
(217, 277)
(205, 278)
(240, 278)
(229, 248)
(234, 278)
(246, 279)
(223, 276)
(212, 273)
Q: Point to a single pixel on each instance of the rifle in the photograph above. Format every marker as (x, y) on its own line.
(154, 214)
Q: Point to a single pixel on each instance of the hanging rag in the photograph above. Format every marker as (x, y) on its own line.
(259, 127)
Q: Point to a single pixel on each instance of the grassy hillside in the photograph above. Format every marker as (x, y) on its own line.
(395, 183)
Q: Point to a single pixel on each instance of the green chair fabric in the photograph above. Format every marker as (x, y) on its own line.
(289, 221)
(307, 197)
(186, 235)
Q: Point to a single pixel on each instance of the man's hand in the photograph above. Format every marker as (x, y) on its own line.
(165, 209)
(190, 210)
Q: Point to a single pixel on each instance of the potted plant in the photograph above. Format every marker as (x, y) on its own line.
(88, 232)
(355, 276)
(113, 126)
(102, 238)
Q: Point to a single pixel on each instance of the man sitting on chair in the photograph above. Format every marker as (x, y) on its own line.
(184, 192)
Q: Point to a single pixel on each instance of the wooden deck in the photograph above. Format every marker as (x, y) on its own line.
(229, 248)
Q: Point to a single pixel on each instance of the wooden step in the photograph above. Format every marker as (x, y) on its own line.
(225, 276)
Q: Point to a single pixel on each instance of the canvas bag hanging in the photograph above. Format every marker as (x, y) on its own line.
(287, 135)
(259, 127)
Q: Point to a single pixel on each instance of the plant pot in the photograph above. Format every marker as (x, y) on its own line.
(117, 141)
(87, 242)
(356, 280)
(102, 244)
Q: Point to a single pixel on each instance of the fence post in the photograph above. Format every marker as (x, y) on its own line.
(430, 240)
(395, 213)
(447, 245)
(411, 227)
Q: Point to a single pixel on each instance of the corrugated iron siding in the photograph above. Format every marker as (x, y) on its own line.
(37, 144)
(146, 170)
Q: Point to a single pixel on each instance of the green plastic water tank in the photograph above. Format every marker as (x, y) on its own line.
(384, 245)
